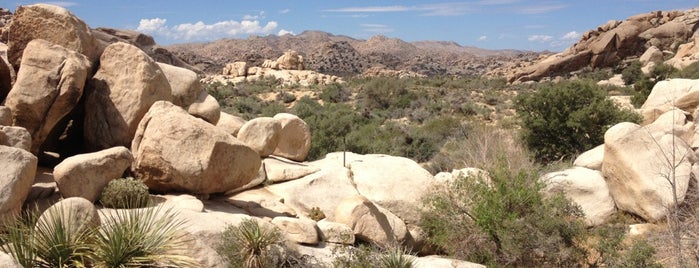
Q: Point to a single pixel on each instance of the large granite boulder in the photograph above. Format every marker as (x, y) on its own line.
(175, 151)
(54, 24)
(261, 134)
(586, 188)
(295, 137)
(17, 171)
(48, 87)
(85, 175)
(127, 83)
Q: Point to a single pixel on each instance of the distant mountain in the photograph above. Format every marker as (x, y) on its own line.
(343, 55)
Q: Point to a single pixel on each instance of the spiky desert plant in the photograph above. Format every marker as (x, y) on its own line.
(16, 237)
(396, 257)
(53, 240)
(141, 237)
(251, 246)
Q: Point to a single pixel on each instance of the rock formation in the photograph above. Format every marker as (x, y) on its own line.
(616, 40)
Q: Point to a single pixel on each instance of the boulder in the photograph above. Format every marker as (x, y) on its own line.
(591, 159)
(291, 60)
(230, 123)
(205, 107)
(302, 231)
(295, 137)
(369, 223)
(184, 84)
(438, 261)
(262, 134)
(76, 214)
(125, 86)
(54, 24)
(184, 202)
(107, 36)
(586, 188)
(640, 169)
(396, 183)
(324, 189)
(49, 85)
(238, 68)
(5, 116)
(686, 54)
(261, 203)
(175, 151)
(333, 232)
(450, 177)
(652, 54)
(680, 93)
(17, 171)
(279, 169)
(85, 175)
(15, 137)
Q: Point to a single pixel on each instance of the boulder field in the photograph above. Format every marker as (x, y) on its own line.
(124, 112)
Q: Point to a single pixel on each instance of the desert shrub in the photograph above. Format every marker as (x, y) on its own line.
(285, 97)
(316, 214)
(125, 193)
(265, 84)
(486, 146)
(395, 257)
(247, 107)
(272, 108)
(335, 93)
(383, 93)
(141, 238)
(561, 120)
(595, 74)
(642, 89)
(632, 73)
(690, 71)
(504, 220)
(251, 246)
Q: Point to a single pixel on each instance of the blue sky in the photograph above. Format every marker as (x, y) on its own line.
(494, 24)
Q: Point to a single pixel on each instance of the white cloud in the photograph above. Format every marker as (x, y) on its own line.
(62, 3)
(284, 11)
(284, 32)
(540, 38)
(540, 9)
(572, 35)
(201, 31)
(377, 28)
(261, 15)
(482, 38)
(372, 9)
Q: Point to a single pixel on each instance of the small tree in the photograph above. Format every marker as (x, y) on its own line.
(564, 119)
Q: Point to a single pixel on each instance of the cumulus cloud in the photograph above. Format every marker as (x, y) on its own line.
(201, 31)
(284, 32)
(540, 38)
(482, 38)
(572, 35)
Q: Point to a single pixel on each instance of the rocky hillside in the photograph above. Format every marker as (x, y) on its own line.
(674, 33)
(342, 55)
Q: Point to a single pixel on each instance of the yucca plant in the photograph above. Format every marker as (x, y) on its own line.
(396, 257)
(54, 240)
(140, 237)
(251, 246)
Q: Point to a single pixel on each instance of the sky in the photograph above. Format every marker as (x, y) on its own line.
(492, 24)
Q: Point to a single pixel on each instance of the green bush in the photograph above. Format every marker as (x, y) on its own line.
(335, 93)
(125, 193)
(505, 220)
(632, 73)
(689, 72)
(561, 120)
(249, 245)
(642, 89)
